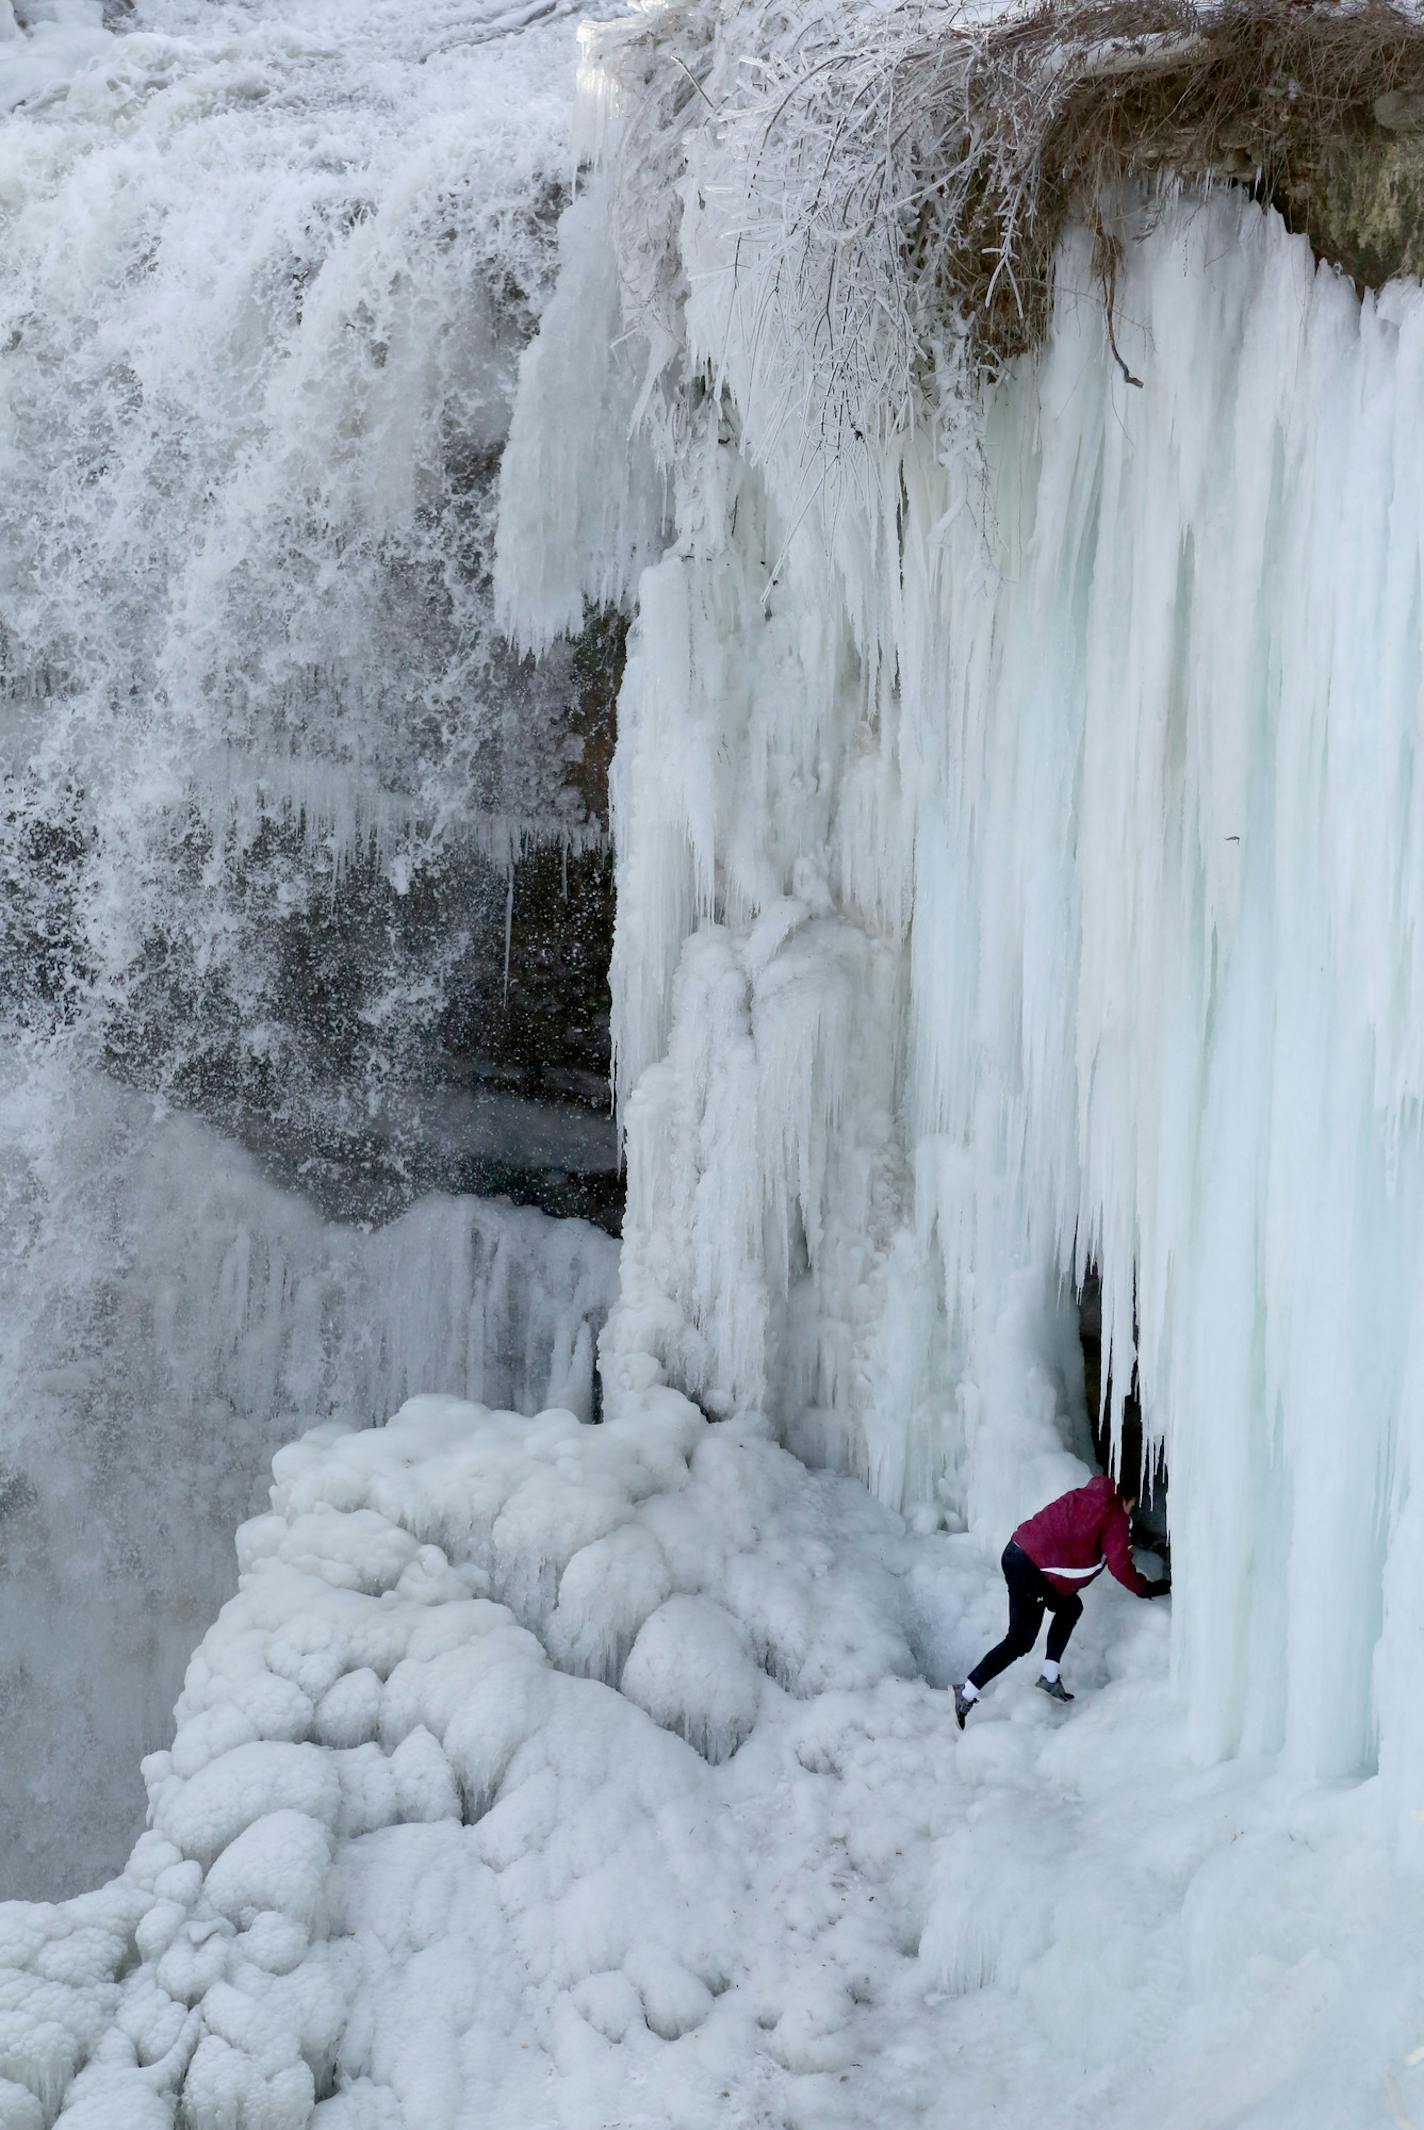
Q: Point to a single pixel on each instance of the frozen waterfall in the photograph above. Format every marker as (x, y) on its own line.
(1021, 865)
(1020, 874)
(186, 1318)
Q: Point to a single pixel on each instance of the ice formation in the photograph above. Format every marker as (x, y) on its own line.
(1020, 865)
(187, 1316)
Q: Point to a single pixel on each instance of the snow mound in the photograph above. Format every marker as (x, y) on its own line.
(417, 1861)
(693, 1670)
(402, 1775)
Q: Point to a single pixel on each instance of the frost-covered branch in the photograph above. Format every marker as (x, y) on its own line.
(892, 179)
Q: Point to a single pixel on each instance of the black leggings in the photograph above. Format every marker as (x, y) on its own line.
(1029, 1593)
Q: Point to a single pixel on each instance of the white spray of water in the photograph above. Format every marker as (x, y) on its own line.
(263, 769)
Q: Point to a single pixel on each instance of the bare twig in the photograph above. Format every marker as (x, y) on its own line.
(695, 83)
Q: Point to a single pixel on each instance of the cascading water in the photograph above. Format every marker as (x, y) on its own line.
(287, 836)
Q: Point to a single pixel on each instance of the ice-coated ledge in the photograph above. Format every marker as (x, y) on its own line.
(541, 1773)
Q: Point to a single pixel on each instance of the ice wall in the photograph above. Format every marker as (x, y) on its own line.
(1020, 863)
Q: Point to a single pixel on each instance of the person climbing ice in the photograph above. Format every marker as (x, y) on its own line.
(1046, 1563)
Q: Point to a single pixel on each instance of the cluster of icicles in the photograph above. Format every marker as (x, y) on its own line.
(1021, 864)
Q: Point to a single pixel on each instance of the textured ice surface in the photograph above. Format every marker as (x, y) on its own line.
(1021, 864)
(541, 1773)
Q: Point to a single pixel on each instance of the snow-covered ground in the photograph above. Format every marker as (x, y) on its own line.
(545, 1775)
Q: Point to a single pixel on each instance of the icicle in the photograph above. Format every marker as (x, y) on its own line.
(508, 927)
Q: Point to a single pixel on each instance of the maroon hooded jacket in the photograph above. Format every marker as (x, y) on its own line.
(1079, 1535)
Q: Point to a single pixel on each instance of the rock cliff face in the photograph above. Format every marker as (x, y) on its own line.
(1362, 204)
(431, 1026)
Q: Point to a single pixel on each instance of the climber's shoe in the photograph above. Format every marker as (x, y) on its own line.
(1054, 1688)
(962, 1704)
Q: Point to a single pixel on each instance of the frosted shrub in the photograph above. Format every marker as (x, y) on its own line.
(895, 174)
